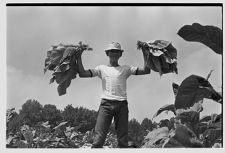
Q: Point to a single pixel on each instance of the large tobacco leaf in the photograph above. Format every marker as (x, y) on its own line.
(53, 57)
(211, 118)
(167, 107)
(62, 60)
(208, 35)
(161, 55)
(192, 90)
(9, 114)
(213, 133)
(155, 138)
(182, 137)
(191, 117)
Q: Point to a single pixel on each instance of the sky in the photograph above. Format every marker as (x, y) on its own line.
(32, 30)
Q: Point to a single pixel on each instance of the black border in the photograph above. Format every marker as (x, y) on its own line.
(114, 4)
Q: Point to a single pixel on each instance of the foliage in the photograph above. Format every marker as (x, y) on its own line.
(160, 54)
(208, 35)
(61, 136)
(193, 89)
(82, 118)
(10, 114)
(186, 129)
(135, 131)
(14, 124)
(153, 138)
(146, 124)
(62, 60)
(47, 127)
(167, 107)
(51, 113)
(32, 110)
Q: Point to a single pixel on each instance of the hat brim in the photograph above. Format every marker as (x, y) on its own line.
(114, 49)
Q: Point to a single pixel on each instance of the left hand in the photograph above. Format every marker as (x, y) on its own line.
(145, 53)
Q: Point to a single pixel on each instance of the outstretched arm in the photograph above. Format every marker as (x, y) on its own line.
(145, 69)
(82, 72)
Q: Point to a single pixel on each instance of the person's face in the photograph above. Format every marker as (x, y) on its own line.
(114, 54)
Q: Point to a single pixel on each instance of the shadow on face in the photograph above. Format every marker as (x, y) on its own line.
(114, 53)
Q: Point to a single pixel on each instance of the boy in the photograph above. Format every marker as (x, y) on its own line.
(114, 96)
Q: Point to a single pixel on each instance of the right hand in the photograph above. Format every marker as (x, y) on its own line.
(145, 52)
(79, 53)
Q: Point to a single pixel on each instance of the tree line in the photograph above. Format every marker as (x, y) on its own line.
(83, 119)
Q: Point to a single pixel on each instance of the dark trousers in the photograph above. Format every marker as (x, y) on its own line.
(107, 110)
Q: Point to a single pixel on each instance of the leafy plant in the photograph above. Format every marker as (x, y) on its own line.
(62, 60)
(32, 111)
(51, 113)
(161, 55)
(208, 35)
(193, 89)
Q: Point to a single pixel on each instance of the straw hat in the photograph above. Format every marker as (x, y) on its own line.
(60, 47)
(114, 46)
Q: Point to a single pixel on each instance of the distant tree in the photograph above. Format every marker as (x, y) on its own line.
(146, 124)
(135, 131)
(81, 118)
(69, 114)
(86, 119)
(32, 111)
(51, 113)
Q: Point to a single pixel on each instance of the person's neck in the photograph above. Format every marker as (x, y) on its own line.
(113, 63)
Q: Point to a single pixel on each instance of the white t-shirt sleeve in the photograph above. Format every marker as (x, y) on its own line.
(96, 71)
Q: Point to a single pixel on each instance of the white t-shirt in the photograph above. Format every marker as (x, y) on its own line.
(114, 80)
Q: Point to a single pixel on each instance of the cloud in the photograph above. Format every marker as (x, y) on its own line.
(21, 87)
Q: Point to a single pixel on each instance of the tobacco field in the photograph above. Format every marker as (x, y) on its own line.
(37, 126)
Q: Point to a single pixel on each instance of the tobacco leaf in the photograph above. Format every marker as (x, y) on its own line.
(208, 35)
